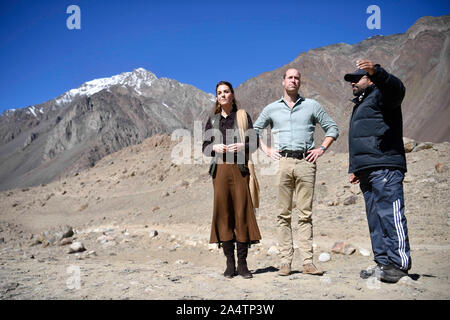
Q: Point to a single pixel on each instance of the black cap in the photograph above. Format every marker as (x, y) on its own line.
(355, 76)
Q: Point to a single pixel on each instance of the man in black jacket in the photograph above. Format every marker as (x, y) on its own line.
(378, 163)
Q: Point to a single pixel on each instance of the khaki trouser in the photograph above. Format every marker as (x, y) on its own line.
(299, 176)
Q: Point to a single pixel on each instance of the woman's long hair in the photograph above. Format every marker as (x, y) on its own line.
(217, 106)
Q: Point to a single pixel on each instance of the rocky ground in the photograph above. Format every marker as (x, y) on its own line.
(142, 224)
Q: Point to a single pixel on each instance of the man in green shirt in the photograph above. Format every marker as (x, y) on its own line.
(293, 120)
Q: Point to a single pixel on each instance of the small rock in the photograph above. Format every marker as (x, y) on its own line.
(343, 248)
(409, 144)
(83, 207)
(350, 200)
(190, 243)
(406, 281)
(340, 193)
(364, 252)
(65, 241)
(324, 257)
(338, 247)
(175, 278)
(155, 209)
(104, 238)
(2, 240)
(76, 247)
(153, 233)
(330, 203)
(181, 262)
(325, 280)
(67, 232)
(440, 167)
(213, 246)
(423, 146)
(184, 184)
(349, 250)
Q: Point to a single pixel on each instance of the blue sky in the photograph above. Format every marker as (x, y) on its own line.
(195, 42)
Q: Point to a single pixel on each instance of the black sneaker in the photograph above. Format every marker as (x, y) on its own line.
(372, 271)
(392, 274)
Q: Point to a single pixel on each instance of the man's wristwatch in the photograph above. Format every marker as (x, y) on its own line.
(323, 148)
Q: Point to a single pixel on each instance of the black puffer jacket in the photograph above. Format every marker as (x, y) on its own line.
(376, 125)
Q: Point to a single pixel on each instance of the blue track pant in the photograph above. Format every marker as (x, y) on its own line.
(383, 194)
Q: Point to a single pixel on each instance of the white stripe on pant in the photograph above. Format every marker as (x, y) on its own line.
(400, 233)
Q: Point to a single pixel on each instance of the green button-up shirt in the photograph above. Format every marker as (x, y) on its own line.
(293, 129)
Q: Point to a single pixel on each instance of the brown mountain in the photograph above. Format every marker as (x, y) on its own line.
(420, 58)
(75, 130)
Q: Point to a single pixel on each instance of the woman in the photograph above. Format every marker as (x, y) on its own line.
(233, 215)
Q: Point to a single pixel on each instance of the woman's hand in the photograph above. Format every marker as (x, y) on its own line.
(235, 147)
(219, 148)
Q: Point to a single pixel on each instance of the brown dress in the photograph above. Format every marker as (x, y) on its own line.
(233, 212)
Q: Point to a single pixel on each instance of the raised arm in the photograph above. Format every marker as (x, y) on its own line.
(390, 86)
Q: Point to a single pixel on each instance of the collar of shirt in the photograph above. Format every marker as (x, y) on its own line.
(297, 102)
(230, 115)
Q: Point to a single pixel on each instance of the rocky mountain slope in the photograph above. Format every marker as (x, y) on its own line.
(75, 130)
(420, 58)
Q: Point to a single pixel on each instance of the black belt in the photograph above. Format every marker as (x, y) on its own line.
(293, 154)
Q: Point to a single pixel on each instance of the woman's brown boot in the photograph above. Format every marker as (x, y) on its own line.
(228, 250)
(242, 269)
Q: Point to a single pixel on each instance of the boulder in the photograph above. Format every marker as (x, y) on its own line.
(76, 247)
(409, 144)
(343, 248)
(423, 146)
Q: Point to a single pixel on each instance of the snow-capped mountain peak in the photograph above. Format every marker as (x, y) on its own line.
(135, 79)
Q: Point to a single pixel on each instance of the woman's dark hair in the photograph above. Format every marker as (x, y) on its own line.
(217, 106)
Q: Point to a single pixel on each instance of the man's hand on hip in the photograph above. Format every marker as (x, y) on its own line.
(314, 154)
